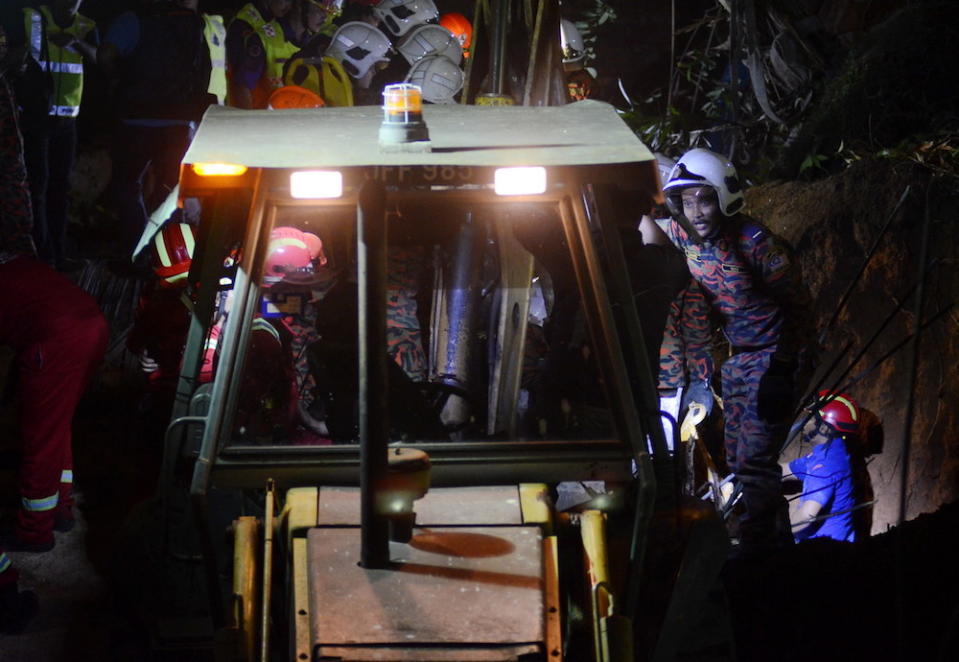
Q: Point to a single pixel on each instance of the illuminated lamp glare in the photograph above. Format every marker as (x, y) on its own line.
(311, 184)
(519, 181)
(219, 169)
(402, 100)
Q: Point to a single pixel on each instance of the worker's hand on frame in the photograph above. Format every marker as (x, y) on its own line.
(148, 364)
(699, 393)
(774, 399)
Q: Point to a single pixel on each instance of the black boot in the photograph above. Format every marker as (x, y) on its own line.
(17, 609)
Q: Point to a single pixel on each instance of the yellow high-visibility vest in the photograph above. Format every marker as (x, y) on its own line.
(251, 15)
(64, 64)
(277, 50)
(215, 34)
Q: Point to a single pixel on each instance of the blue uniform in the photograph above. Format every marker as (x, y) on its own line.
(826, 476)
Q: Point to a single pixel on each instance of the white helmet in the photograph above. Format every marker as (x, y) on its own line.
(700, 167)
(401, 16)
(438, 77)
(571, 41)
(430, 40)
(358, 46)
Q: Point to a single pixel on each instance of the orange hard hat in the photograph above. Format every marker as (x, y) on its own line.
(294, 96)
(461, 28)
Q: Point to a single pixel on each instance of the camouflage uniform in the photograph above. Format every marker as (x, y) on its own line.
(404, 339)
(744, 276)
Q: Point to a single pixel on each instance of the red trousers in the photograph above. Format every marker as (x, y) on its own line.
(59, 336)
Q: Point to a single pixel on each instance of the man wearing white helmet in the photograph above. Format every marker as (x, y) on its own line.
(743, 275)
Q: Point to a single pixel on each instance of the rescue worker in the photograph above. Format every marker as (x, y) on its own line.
(828, 491)
(59, 39)
(461, 28)
(579, 77)
(159, 61)
(160, 329)
(214, 31)
(252, 17)
(306, 67)
(17, 607)
(270, 48)
(58, 335)
(744, 275)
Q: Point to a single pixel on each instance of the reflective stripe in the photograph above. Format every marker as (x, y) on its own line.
(848, 405)
(36, 33)
(65, 65)
(62, 67)
(189, 241)
(4, 561)
(215, 34)
(260, 324)
(40, 505)
(65, 111)
(66, 476)
(175, 278)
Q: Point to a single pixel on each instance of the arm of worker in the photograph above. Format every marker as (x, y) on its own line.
(782, 278)
(86, 47)
(808, 511)
(651, 232)
(696, 329)
(247, 66)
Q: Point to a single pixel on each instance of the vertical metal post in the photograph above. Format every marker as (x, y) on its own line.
(374, 426)
(497, 63)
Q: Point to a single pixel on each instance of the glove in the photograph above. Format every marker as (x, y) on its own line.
(699, 393)
(148, 364)
(774, 399)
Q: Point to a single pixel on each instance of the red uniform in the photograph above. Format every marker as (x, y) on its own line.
(59, 336)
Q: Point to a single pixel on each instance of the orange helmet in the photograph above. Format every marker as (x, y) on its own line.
(461, 28)
(294, 96)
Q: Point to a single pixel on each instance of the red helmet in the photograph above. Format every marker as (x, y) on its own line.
(461, 28)
(287, 254)
(838, 411)
(173, 253)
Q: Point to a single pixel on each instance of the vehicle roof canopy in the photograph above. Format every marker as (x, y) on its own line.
(584, 133)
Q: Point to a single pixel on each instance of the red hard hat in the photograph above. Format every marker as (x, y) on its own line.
(173, 253)
(461, 28)
(839, 411)
(287, 253)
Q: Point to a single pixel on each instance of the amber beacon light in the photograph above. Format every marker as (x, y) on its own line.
(219, 169)
(403, 126)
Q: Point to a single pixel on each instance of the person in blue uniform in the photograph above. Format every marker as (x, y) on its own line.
(828, 491)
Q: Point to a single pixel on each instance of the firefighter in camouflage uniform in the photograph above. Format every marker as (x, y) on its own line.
(743, 275)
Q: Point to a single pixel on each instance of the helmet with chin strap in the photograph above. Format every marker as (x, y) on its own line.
(838, 411)
(701, 167)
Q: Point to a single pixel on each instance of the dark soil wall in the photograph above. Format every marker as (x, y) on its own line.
(833, 224)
